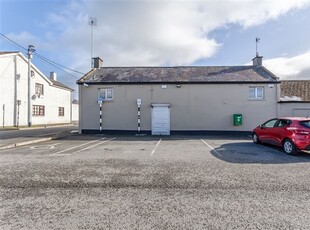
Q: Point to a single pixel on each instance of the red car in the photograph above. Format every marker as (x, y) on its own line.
(292, 133)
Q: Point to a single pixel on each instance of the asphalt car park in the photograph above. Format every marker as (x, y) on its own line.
(153, 182)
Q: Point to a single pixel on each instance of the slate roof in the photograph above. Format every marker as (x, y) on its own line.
(180, 74)
(298, 89)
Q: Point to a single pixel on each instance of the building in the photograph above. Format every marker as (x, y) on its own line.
(164, 100)
(50, 99)
(75, 110)
(295, 98)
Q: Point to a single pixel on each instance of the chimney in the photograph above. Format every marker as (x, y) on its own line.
(97, 62)
(53, 76)
(258, 60)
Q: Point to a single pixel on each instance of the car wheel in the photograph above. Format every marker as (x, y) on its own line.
(255, 139)
(289, 147)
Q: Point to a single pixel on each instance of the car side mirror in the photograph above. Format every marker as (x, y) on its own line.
(261, 126)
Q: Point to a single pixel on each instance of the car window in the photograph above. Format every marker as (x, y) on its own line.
(270, 124)
(283, 123)
(305, 124)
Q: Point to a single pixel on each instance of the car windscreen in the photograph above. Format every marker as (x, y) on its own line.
(305, 123)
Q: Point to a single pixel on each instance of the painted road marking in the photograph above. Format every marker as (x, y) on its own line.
(211, 148)
(153, 151)
(44, 147)
(74, 147)
(89, 147)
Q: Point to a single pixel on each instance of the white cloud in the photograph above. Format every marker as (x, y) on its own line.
(297, 67)
(24, 38)
(151, 32)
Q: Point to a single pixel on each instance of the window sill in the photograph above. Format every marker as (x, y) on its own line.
(105, 101)
(250, 99)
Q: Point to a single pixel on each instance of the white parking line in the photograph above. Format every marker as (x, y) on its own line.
(74, 147)
(89, 147)
(44, 147)
(212, 148)
(153, 151)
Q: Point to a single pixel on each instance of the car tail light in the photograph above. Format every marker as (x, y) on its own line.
(301, 132)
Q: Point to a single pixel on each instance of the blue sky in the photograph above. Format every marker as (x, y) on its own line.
(160, 33)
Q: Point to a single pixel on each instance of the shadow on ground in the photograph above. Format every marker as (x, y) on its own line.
(250, 153)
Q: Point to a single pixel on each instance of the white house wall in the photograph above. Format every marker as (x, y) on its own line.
(7, 90)
(52, 99)
(75, 112)
(194, 107)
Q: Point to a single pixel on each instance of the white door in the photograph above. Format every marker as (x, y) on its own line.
(160, 119)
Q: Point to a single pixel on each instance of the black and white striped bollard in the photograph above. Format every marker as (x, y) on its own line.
(139, 102)
(100, 114)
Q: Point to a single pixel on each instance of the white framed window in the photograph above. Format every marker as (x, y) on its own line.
(38, 110)
(61, 111)
(256, 92)
(106, 94)
(39, 89)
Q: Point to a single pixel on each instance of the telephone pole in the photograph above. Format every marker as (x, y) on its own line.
(30, 51)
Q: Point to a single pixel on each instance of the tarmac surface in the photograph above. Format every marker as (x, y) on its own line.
(149, 182)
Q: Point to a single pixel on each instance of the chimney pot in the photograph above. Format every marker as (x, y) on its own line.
(53, 76)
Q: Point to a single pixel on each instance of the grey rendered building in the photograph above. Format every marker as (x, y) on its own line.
(177, 99)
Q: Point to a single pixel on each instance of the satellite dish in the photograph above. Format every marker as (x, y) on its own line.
(34, 97)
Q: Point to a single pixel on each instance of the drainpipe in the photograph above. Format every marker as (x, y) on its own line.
(71, 106)
(3, 115)
(278, 89)
(80, 109)
(15, 92)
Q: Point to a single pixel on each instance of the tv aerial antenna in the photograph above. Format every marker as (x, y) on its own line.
(257, 41)
(92, 21)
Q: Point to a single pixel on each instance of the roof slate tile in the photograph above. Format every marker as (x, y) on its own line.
(300, 89)
(194, 74)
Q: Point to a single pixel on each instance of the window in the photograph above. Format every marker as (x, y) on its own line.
(305, 123)
(106, 94)
(283, 123)
(270, 124)
(61, 111)
(39, 89)
(256, 92)
(38, 110)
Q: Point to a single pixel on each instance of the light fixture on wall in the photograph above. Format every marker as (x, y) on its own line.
(178, 86)
(85, 85)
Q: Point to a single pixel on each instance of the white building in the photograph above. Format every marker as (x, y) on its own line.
(50, 100)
